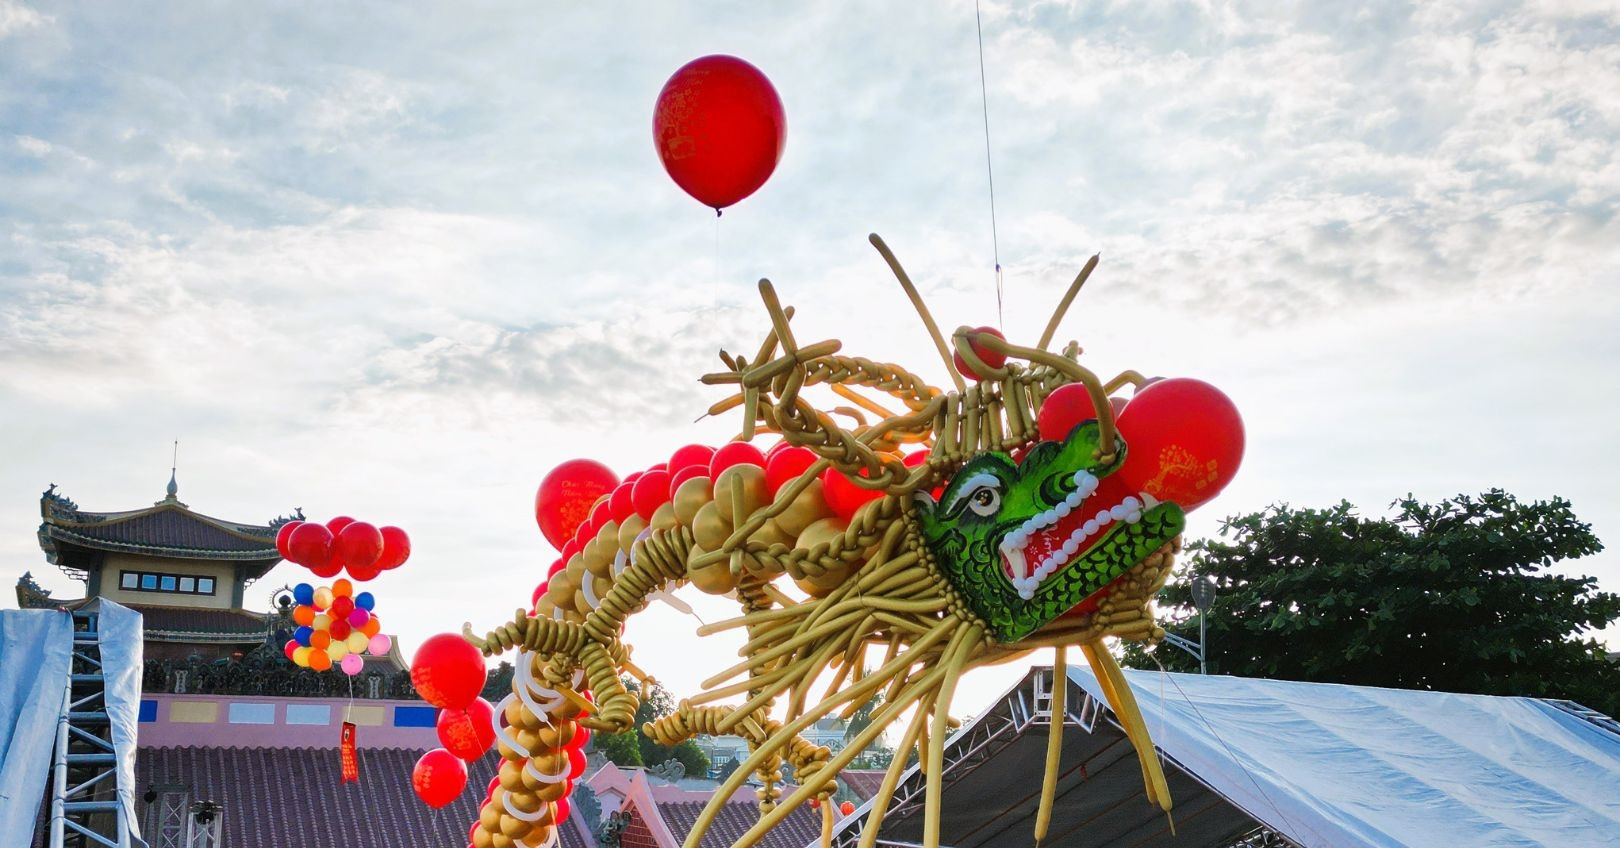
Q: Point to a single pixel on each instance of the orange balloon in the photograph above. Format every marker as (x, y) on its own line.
(320, 639)
(304, 615)
(319, 660)
(372, 627)
(342, 588)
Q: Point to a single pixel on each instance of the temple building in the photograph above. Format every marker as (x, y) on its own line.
(185, 572)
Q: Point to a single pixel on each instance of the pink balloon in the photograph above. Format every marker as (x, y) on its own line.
(359, 617)
(352, 664)
(379, 645)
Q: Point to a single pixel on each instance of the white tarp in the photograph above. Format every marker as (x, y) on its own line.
(35, 646)
(122, 655)
(1331, 765)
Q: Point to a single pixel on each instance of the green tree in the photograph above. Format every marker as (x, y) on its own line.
(1454, 596)
(622, 749)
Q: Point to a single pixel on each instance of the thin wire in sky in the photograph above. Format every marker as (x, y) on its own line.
(984, 95)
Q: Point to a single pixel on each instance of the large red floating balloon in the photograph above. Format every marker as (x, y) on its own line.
(396, 548)
(283, 535)
(719, 129)
(467, 733)
(1184, 441)
(439, 776)
(310, 545)
(566, 496)
(448, 672)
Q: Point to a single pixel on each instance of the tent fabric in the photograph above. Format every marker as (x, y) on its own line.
(121, 666)
(36, 647)
(1330, 765)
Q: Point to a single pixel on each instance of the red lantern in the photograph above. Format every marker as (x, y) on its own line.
(719, 129)
(1184, 441)
(986, 355)
(469, 732)
(786, 464)
(310, 545)
(282, 536)
(439, 776)
(566, 495)
(448, 672)
(396, 548)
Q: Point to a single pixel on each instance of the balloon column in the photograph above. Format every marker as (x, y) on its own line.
(336, 626)
(943, 530)
(719, 129)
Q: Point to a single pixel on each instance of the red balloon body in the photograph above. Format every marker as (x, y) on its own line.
(283, 534)
(396, 548)
(467, 733)
(689, 455)
(786, 464)
(719, 128)
(310, 546)
(439, 776)
(363, 573)
(650, 493)
(332, 567)
(566, 496)
(847, 807)
(986, 355)
(734, 453)
(620, 504)
(576, 763)
(359, 543)
(448, 672)
(1065, 407)
(561, 809)
(844, 496)
(1184, 441)
(685, 474)
(337, 524)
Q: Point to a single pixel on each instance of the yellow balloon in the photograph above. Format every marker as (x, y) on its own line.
(301, 656)
(323, 598)
(337, 650)
(357, 641)
(322, 622)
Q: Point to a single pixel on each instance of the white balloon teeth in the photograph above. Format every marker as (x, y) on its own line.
(1026, 573)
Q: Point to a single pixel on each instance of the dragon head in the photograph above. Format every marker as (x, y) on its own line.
(1024, 542)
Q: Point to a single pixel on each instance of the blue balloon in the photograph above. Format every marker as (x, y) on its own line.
(302, 634)
(304, 594)
(365, 601)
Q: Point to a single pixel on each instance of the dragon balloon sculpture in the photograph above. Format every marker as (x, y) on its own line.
(984, 543)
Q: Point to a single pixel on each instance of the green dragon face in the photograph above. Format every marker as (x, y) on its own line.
(1023, 543)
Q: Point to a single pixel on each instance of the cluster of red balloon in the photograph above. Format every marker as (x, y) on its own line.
(448, 672)
(364, 549)
(335, 626)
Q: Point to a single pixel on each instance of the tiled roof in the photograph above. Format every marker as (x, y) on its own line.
(168, 529)
(283, 797)
(800, 828)
(193, 620)
(864, 783)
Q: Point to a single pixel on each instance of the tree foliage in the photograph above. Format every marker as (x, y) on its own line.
(1455, 596)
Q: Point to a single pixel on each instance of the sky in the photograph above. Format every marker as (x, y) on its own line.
(397, 263)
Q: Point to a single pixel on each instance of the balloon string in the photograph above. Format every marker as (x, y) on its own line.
(717, 247)
(984, 95)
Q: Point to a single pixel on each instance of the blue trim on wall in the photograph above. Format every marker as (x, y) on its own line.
(416, 716)
(148, 711)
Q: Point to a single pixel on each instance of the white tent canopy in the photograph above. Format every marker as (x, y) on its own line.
(1321, 764)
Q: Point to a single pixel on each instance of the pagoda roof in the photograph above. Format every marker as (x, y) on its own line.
(194, 624)
(167, 529)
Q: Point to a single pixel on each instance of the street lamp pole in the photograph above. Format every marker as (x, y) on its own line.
(1203, 593)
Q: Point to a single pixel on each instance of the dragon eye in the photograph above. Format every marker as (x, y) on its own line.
(984, 501)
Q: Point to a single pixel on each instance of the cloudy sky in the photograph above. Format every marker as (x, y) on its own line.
(398, 263)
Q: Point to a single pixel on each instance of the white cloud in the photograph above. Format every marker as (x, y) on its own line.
(15, 17)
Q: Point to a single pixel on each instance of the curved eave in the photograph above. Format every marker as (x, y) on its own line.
(57, 532)
(187, 636)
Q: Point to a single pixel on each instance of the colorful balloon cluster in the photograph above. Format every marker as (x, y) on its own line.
(335, 627)
(364, 549)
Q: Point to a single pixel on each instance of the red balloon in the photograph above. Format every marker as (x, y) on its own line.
(689, 455)
(360, 544)
(448, 672)
(620, 504)
(986, 355)
(601, 514)
(362, 574)
(847, 807)
(337, 524)
(581, 738)
(557, 566)
(734, 453)
(396, 548)
(650, 493)
(342, 605)
(560, 810)
(843, 496)
(439, 776)
(292, 645)
(719, 129)
(310, 545)
(1184, 441)
(576, 763)
(467, 733)
(539, 589)
(332, 567)
(1064, 408)
(566, 495)
(685, 474)
(784, 465)
(282, 535)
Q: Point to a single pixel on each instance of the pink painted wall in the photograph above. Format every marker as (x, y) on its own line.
(221, 732)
